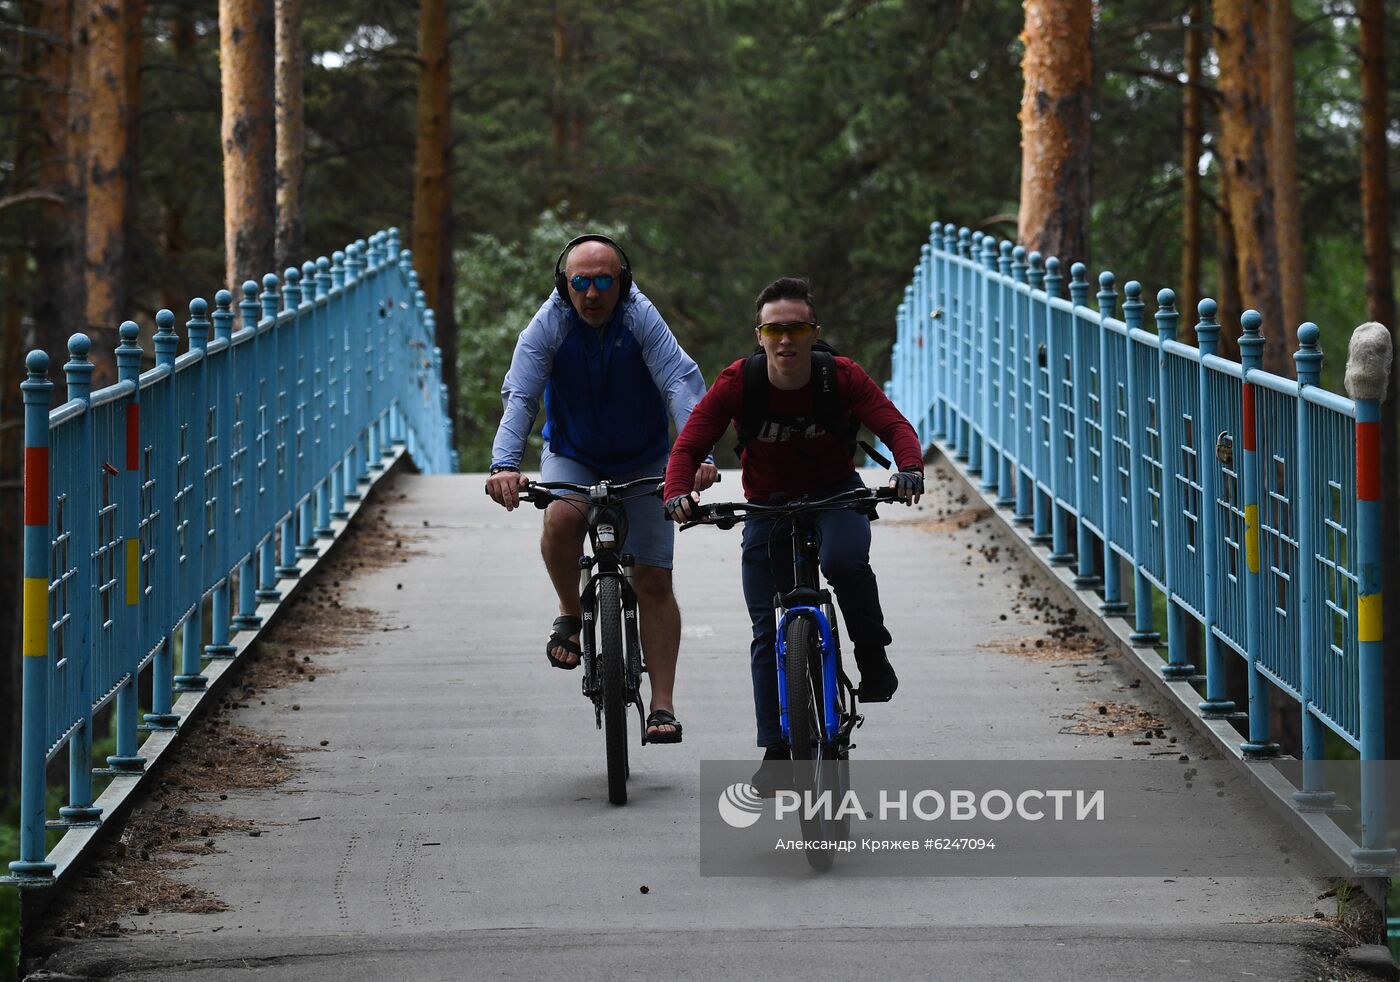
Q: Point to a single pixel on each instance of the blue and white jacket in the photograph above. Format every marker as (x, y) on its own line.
(607, 391)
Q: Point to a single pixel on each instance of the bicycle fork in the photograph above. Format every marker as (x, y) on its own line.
(831, 722)
(631, 636)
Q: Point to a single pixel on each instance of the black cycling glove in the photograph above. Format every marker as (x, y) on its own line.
(673, 506)
(909, 481)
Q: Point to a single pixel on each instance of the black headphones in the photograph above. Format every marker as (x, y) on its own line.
(561, 282)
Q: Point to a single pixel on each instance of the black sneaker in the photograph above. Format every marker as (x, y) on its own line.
(775, 773)
(878, 681)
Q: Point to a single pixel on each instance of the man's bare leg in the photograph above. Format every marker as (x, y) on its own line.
(660, 634)
(561, 544)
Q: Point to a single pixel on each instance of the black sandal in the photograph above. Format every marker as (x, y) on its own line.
(564, 628)
(663, 717)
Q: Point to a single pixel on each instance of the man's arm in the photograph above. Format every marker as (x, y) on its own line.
(702, 431)
(530, 368)
(873, 408)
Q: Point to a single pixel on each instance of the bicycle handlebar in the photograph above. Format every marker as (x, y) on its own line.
(726, 514)
(604, 492)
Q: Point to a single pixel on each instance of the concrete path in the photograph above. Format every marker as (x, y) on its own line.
(455, 826)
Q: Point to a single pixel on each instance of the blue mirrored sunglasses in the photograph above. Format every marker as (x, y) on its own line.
(581, 283)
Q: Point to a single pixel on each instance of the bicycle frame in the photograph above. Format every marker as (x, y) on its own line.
(805, 577)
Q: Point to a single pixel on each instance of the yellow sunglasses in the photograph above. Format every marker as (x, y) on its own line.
(796, 329)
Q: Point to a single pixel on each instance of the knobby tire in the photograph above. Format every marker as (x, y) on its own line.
(610, 667)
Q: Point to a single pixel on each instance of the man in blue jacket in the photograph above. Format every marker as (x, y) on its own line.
(611, 374)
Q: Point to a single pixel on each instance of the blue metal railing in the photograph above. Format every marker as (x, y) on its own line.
(146, 500)
(1247, 499)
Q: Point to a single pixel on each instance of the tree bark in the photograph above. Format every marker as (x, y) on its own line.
(246, 43)
(1055, 103)
(291, 132)
(559, 125)
(107, 169)
(1241, 30)
(1229, 306)
(177, 198)
(1380, 306)
(133, 24)
(1191, 159)
(1287, 217)
(432, 186)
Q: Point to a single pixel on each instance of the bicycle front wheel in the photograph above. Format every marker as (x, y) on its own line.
(610, 670)
(802, 674)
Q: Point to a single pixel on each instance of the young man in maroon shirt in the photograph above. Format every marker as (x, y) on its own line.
(791, 454)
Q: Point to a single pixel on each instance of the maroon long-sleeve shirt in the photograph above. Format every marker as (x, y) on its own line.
(784, 458)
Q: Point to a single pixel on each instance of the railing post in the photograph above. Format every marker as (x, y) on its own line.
(967, 429)
(1085, 575)
(191, 679)
(128, 354)
(1251, 359)
(984, 252)
(1144, 631)
(1042, 502)
(220, 601)
(1215, 705)
(1113, 605)
(321, 397)
(1368, 373)
(267, 591)
(1006, 379)
(305, 458)
(1177, 666)
(943, 297)
(161, 717)
(37, 621)
(1025, 411)
(247, 617)
(1313, 796)
(80, 810)
(1059, 519)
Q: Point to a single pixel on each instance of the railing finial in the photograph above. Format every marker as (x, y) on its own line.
(1368, 362)
(129, 352)
(1166, 315)
(1251, 337)
(1207, 327)
(1079, 284)
(291, 293)
(197, 327)
(37, 362)
(78, 369)
(223, 314)
(1132, 304)
(167, 344)
(1053, 277)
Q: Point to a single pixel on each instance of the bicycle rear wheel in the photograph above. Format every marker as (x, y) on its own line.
(610, 670)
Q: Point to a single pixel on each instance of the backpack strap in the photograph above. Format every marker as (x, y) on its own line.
(755, 397)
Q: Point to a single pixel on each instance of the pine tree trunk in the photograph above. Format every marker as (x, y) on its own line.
(432, 186)
(1055, 104)
(291, 132)
(133, 26)
(246, 45)
(1191, 160)
(1285, 160)
(559, 108)
(1228, 303)
(1245, 148)
(107, 225)
(176, 203)
(1380, 306)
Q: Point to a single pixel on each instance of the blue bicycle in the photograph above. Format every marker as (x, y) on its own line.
(817, 703)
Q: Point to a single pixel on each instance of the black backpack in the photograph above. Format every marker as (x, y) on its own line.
(828, 408)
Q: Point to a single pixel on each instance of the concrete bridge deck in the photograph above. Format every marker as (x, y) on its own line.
(448, 816)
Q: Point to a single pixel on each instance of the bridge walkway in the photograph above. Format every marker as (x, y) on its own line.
(446, 816)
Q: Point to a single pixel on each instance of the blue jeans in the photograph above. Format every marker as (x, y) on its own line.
(767, 570)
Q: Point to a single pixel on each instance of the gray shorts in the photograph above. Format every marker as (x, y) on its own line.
(651, 537)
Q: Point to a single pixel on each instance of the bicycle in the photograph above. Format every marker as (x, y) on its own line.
(612, 651)
(809, 662)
